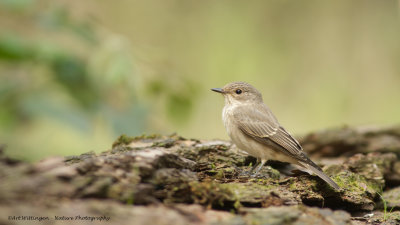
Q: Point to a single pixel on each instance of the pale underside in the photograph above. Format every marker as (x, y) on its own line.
(254, 129)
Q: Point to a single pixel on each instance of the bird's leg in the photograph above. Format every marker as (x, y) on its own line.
(255, 165)
(263, 161)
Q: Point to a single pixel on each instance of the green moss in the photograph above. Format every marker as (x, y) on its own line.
(220, 174)
(130, 201)
(305, 184)
(211, 193)
(167, 143)
(355, 183)
(124, 139)
(249, 192)
(215, 194)
(275, 174)
(237, 204)
(148, 136)
(292, 186)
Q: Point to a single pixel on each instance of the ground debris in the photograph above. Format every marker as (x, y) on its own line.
(194, 181)
(347, 141)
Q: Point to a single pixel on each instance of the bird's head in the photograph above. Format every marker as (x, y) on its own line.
(239, 92)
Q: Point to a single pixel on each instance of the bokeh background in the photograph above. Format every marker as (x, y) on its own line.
(74, 75)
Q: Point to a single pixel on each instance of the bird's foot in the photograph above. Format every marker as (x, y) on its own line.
(254, 171)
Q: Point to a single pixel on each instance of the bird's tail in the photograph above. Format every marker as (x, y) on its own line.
(321, 174)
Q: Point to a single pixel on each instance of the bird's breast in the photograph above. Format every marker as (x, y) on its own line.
(228, 119)
(241, 140)
(245, 142)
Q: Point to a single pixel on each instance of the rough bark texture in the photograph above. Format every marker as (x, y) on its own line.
(173, 180)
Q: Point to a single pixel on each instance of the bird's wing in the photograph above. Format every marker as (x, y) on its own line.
(259, 123)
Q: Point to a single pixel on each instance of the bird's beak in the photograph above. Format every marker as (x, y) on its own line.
(219, 90)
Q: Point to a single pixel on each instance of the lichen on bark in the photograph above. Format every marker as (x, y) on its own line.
(204, 182)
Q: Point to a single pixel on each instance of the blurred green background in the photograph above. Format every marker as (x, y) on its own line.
(74, 75)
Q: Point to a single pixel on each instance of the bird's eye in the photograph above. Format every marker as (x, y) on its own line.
(238, 91)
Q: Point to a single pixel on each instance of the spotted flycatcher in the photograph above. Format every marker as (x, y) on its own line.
(253, 128)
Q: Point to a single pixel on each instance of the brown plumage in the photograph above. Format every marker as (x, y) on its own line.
(254, 129)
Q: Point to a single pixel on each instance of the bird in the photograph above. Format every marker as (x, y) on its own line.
(253, 127)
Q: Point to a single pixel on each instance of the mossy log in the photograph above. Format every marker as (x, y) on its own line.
(173, 180)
